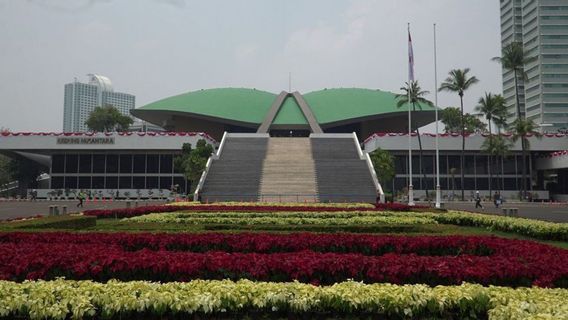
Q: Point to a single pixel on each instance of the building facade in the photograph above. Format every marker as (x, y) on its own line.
(542, 27)
(110, 165)
(481, 173)
(82, 98)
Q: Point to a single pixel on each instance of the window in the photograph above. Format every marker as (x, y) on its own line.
(125, 163)
(58, 164)
(98, 182)
(99, 163)
(84, 182)
(153, 163)
(71, 183)
(111, 182)
(138, 182)
(112, 163)
(165, 183)
(166, 165)
(71, 163)
(57, 183)
(480, 165)
(152, 183)
(85, 163)
(125, 182)
(139, 163)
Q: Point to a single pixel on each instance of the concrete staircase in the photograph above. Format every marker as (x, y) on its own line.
(341, 174)
(236, 175)
(288, 172)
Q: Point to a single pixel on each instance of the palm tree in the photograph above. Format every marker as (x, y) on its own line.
(489, 108)
(496, 147)
(513, 58)
(417, 100)
(458, 81)
(521, 129)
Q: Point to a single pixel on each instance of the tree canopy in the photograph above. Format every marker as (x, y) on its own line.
(108, 119)
(192, 161)
(451, 118)
(383, 162)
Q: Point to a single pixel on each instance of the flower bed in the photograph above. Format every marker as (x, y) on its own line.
(63, 299)
(304, 218)
(511, 262)
(243, 207)
(277, 204)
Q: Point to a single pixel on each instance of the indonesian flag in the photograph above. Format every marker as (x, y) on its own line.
(410, 59)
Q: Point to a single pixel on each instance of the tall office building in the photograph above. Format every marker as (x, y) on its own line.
(82, 98)
(542, 27)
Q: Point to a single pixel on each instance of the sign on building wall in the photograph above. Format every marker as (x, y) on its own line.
(85, 140)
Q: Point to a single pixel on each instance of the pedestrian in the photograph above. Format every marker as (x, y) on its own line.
(80, 197)
(496, 199)
(478, 200)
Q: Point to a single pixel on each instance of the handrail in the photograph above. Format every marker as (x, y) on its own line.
(365, 156)
(214, 156)
(359, 150)
(221, 145)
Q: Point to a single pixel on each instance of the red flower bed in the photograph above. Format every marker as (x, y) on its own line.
(133, 212)
(148, 257)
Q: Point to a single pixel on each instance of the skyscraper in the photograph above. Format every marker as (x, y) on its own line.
(82, 98)
(542, 28)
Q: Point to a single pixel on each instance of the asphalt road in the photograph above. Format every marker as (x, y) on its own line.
(556, 212)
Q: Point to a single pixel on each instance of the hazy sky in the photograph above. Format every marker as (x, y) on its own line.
(158, 48)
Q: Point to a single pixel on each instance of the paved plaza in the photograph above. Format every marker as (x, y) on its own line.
(15, 209)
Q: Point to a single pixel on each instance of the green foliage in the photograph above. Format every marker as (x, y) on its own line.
(492, 107)
(108, 119)
(451, 118)
(383, 162)
(496, 146)
(458, 81)
(521, 129)
(192, 161)
(416, 96)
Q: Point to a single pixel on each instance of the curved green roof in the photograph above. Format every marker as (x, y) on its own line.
(240, 104)
(333, 105)
(251, 105)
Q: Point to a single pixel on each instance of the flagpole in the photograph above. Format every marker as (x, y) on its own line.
(410, 72)
(438, 189)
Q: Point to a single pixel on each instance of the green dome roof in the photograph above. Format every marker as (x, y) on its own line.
(241, 105)
(334, 105)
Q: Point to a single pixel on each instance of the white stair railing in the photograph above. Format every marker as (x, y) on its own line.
(365, 156)
(214, 156)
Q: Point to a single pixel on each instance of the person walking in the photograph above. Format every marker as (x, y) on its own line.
(478, 200)
(80, 197)
(496, 200)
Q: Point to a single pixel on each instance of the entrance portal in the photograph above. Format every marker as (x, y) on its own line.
(290, 133)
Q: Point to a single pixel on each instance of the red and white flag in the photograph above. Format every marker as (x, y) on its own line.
(410, 59)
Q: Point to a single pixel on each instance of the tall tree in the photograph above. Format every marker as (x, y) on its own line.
(491, 107)
(458, 81)
(108, 119)
(451, 118)
(497, 148)
(513, 58)
(522, 129)
(192, 161)
(383, 162)
(416, 95)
